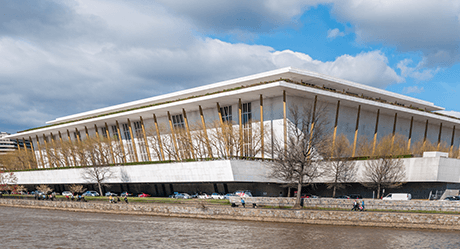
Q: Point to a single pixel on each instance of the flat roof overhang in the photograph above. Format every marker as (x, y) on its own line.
(283, 73)
(246, 94)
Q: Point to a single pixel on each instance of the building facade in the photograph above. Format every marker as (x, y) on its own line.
(189, 124)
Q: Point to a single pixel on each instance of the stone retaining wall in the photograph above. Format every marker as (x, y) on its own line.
(422, 205)
(380, 219)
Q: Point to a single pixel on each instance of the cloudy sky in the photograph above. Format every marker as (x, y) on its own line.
(63, 57)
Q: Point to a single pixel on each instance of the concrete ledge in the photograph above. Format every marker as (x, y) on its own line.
(376, 204)
(375, 219)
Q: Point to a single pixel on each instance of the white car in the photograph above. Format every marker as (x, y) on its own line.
(217, 196)
(90, 193)
(204, 196)
(67, 193)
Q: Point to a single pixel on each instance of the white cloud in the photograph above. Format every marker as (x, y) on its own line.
(412, 89)
(79, 56)
(334, 33)
(416, 72)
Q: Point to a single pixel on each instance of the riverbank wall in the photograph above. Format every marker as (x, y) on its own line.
(374, 204)
(322, 217)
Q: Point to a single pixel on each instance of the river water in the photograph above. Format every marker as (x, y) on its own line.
(39, 228)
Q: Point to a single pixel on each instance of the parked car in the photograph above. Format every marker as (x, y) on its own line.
(67, 193)
(183, 196)
(204, 196)
(90, 193)
(227, 196)
(217, 196)
(243, 193)
(452, 198)
(125, 194)
(143, 195)
(110, 194)
(342, 197)
(398, 196)
(355, 196)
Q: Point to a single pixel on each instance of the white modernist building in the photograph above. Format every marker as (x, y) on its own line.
(261, 100)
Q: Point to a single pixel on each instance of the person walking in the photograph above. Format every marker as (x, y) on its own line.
(243, 203)
(362, 205)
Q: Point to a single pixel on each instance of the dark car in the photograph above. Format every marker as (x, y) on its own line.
(355, 196)
(453, 198)
(342, 197)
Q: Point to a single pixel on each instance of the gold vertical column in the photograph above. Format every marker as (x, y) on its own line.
(439, 136)
(99, 142)
(110, 142)
(356, 132)
(334, 135)
(205, 132)
(410, 134)
(262, 125)
(97, 132)
(284, 121)
(376, 131)
(240, 121)
(87, 137)
(54, 147)
(426, 131)
(313, 117)
(77, 133)
(147, 149)
(394, 130)
(17, 144)
(73, 154)
(33, 151)
(47, 150)
(224, 133)
(188, 133)
(173, 137)
(40, 152)
(159, 138)
(121, 142)
(132, 141)
(25, 150)
(60, 140)
(452, 141)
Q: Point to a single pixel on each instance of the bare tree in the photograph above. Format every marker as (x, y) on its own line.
(98, 174)
(339, 169)
(298, 159)
(44, 189)
(7, 181)
(74, 188)
(383, 173)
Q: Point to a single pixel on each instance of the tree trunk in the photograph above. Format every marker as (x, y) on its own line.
(100, 189)
(378, 191)
(299, 194)
(333, 191)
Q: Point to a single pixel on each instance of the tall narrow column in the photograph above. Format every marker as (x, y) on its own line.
(86, 139)
(439, 137)
(356, 132)
(376, 131)
(17, 145)
(394, 130)
(262, 126)
(33, 151)
(173, 137)
(452, 141)
(240, 120)
(313, 118)
(426, 132)
(47, 151)
(72, 149)
(147, 149)
(120, 140)
(284, 121)
(132, 141)
(224, 130)
(107, 133)
(159, 138)
(334, 135)
(410, 134)
(53, 143)
(189, 136)
(25, 150)
(40, 152)
(208, 145)
(78, 135)
(65, 157)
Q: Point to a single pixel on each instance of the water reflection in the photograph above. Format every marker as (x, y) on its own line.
(36, 228)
